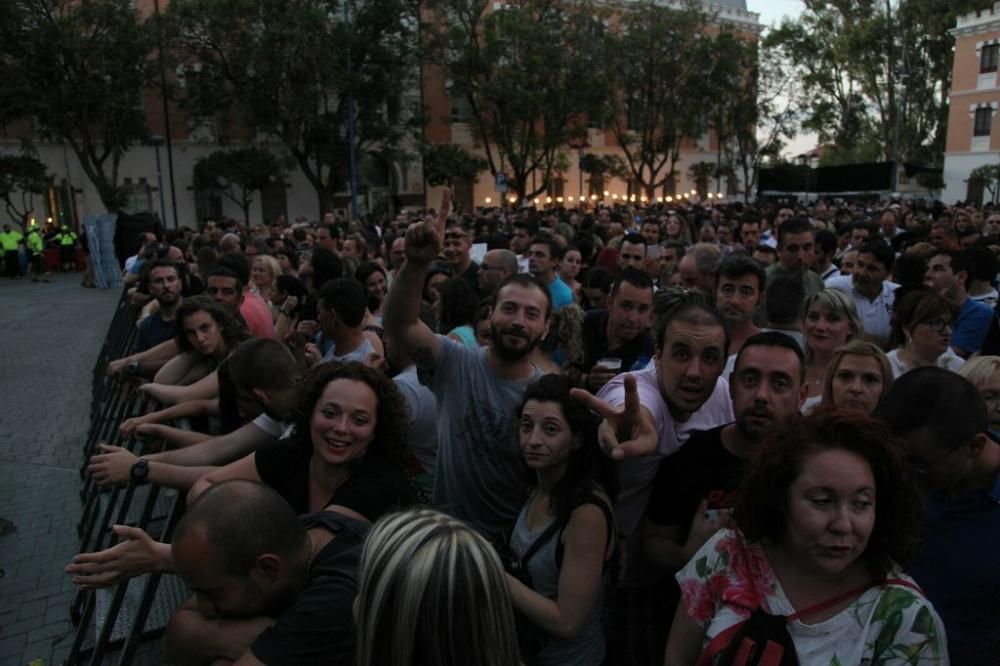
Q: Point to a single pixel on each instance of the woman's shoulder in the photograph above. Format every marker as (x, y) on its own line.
(903, 621)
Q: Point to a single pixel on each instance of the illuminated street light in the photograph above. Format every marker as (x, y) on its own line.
(488, 201)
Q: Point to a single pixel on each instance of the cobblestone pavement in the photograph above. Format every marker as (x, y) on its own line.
(50, 335)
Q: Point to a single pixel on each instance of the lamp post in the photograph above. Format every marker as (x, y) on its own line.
(155, 140)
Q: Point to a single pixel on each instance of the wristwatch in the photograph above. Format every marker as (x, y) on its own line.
(140, 471)
(133, 368)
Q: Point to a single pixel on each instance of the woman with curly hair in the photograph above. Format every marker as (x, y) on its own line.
(824, 521)
(346, 448)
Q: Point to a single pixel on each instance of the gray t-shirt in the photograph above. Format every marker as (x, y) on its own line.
(422, 418)
(480, 475)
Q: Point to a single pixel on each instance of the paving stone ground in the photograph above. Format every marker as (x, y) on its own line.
(50, 336)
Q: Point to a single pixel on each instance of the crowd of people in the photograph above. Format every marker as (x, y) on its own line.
(718, 434)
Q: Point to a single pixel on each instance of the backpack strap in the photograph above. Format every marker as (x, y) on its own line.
(540, 541)
(609, 518)
(725, 637)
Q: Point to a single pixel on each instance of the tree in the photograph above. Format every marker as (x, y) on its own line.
(297, 70)
(78, 69)
(600, 168)
(21, 177)
(445, 162)
(868, 63)
(759, 106)
(238, 174)
(989, 176)
(526, 70)
(659, 58)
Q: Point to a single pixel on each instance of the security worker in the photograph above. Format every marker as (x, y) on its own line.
(67, 244)
(36, 251)
(9, 240)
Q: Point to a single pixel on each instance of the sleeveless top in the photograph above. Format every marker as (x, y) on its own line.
(588, 648)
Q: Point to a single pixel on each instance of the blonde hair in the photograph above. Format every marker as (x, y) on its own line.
(432, 592)
(839, 304)
(980, 370)
(857, 348)
(270, 263)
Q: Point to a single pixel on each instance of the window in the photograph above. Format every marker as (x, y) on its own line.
(461, 110)
(988, 58)
(984, 119)
(138, 196)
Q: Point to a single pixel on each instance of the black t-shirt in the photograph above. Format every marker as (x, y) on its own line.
(318, 628)
(595, 344)
(153, 330)
(374, 487)
(702, 468)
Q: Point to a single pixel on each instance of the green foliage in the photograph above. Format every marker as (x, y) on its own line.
(238, 174)
(865, 62)
(526, 70)
(21, 176)
(78, 69)
(661, 58)
(444, 162)
(284, 68)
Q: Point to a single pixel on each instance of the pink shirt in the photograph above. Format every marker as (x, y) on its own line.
(257, 315)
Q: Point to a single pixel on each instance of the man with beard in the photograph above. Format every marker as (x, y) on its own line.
(619, 333)
(480, 474)
(693, 491)
(165, 286)
(739, 287)
(873, 294)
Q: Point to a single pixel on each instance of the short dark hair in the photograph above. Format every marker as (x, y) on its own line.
(961, 260)
(795, 225)
(555, 249)
(225, 271)
(527, 281)
(985, 262)
(262, 363)
(738, 265)
(826, 241)
(238, 264)
(879, 249)
(677, 246)
(634, 277)
(762, 504)
(945, 404)
(692, 308)
(774, 339)
(458, 304)
(345, 296)
(599, 277)
(292, 257)
(918, 304)
(221, 513)
(766, 249)
(783, 299)
(634, 238)
(523, 223)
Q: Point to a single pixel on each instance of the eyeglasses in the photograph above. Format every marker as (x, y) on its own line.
(939, 324)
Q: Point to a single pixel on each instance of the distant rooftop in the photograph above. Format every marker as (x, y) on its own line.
(735, 4)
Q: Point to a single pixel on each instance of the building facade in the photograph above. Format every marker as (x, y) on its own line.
(973, 132)
(159, 178)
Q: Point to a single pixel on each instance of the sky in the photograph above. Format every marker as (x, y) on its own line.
(771, 13)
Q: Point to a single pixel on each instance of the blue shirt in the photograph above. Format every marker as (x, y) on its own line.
(957, 569)
(973, 321)
(562, 295)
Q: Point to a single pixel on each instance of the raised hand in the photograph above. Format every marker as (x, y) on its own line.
(627, 431)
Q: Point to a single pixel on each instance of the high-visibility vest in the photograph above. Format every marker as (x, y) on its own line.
(35, 242)
(9, 240)
(66, 237)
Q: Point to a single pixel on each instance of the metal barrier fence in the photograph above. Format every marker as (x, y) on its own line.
(111, 623)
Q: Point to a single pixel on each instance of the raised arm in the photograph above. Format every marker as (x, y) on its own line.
(627, 431)
(401, 314)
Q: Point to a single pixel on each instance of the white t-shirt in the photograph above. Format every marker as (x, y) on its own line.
(949, 360)
(273, 427)
(636, 475)
(876, 315)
